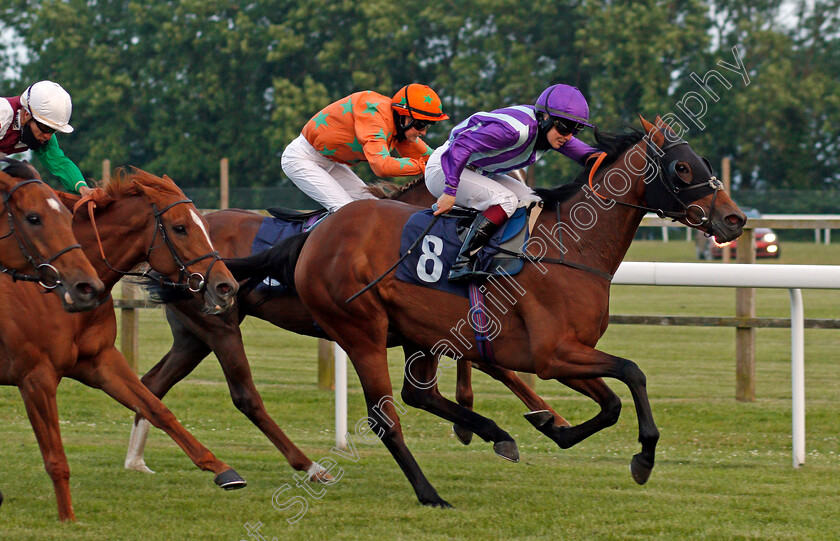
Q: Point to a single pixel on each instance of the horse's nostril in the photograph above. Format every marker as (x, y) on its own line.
(225, 289)
(85, 291)
(734, 219)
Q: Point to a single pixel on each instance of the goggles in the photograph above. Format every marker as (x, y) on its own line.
(565, 126)
(46, 130)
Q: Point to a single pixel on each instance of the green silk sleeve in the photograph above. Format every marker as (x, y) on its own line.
(60, 165)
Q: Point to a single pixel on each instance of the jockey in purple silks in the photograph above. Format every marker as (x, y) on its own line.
(470, 168)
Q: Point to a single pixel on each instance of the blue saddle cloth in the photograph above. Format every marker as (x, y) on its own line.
(272, 231)
(429, 263)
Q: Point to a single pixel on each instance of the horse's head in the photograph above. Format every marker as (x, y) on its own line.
(37, 241)
(683, 187)
(181, 248)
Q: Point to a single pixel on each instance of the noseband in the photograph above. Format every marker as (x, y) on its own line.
(666, 190)
(43, 266)
(194, 282)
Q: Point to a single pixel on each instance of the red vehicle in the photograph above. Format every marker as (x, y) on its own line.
(766, 242)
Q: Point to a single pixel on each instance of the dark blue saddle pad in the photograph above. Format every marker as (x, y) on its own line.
(429, 263)
(272, 231)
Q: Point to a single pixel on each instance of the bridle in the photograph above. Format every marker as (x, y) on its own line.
(191, 281)
(666, 191)
(43, 266)
(658, 194)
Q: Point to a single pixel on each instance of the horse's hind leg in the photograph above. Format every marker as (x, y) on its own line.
(420, 390)
(464, 394)
(38, 392)
(566, 435)
(110, 372)
(369, 356)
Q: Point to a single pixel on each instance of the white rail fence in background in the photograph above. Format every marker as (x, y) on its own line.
(791, 277)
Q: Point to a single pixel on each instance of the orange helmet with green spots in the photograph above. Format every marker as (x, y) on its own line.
(418, 102)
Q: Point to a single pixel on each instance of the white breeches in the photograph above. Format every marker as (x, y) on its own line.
(476, 191)
(330, 183)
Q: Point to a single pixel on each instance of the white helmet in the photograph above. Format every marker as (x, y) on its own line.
(49, 104)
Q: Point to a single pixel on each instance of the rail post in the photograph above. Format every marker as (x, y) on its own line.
(224, 184)
(745, 336)
(326, 365)
(130, 328)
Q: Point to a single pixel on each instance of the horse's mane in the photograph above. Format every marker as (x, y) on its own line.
(613, 144)
(383, 189)
(124, 182)
(19, 168)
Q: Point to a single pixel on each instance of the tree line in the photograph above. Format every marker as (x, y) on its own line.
(172, 86)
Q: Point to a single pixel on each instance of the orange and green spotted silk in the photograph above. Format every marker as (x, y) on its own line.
(360, 127)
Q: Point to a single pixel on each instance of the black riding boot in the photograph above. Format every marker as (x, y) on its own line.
(480, 232)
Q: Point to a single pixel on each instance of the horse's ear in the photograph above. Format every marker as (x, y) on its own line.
(663, 126)
(652, 131)
(5, 180)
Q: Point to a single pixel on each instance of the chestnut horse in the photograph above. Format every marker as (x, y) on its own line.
(559, 305)
(37, 242)
(138, 218)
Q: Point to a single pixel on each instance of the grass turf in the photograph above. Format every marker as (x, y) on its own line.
(723, 468)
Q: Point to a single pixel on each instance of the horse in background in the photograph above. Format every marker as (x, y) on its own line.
(135, 218)
(562, 295)
(37, 242)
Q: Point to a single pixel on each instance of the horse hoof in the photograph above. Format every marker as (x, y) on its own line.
(507, 450)
(230, 480)
(1, 498)
(540, 418)
(640, 469)
(438, 502)
(322, 476)
(463, 435)
(137, 465)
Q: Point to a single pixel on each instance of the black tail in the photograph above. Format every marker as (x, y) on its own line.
(278, 262)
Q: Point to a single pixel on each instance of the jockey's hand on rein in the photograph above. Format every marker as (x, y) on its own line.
(444, 204)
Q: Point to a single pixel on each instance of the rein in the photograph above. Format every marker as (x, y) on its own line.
(670, 188)
(667, 183)
(189, 284)
(27, 248)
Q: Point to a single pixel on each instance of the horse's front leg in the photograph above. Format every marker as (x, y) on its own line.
(109, 371)
(38, 392)
(579, 362)
(194, 335)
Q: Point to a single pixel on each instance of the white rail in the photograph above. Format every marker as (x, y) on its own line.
(791, 277)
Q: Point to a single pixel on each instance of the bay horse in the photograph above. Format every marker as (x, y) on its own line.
(196, 333)
(560, 300)
(138, 218)
(37, 242)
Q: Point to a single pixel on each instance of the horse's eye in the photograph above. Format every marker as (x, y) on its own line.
(33, 219)
(682, 168)
(180, 229)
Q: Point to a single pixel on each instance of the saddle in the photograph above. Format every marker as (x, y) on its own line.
(429, 264)
(295, 216)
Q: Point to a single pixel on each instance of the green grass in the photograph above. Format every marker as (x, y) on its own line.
(723, 468)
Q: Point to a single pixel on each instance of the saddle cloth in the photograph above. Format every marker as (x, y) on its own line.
(429, 263)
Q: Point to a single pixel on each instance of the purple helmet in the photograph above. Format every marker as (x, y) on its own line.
(564, 101)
